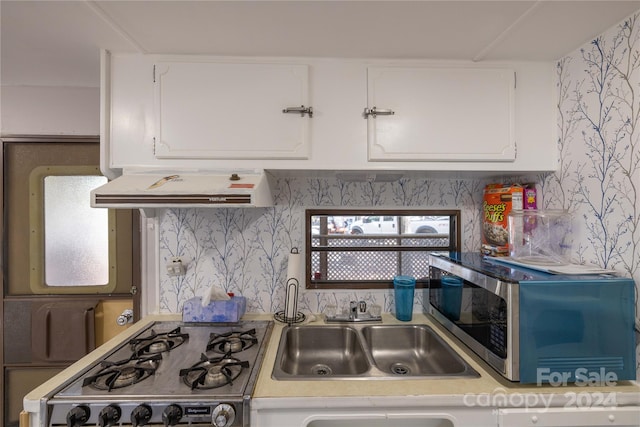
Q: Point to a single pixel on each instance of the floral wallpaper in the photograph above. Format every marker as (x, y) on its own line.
(599, 172)
(598, 179)
(246, 251)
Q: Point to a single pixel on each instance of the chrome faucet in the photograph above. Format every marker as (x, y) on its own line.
(357, 313)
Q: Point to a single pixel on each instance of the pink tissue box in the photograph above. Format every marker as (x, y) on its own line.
(227, 311)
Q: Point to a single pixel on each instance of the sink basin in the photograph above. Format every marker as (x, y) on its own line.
(321, 351)
(366, 352)
(411, 350)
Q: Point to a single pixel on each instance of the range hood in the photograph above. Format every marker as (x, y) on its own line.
(162, 189)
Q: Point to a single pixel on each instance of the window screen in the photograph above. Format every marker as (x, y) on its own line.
(366, 249)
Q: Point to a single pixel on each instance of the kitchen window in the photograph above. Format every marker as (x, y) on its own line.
(360, 249)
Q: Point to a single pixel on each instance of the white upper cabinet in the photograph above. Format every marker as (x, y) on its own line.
(220, 110)
(198, 112)
(440, 114)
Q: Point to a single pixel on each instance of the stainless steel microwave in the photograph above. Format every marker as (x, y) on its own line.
(534, 326)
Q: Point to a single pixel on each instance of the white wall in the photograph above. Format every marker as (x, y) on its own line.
(48, 110)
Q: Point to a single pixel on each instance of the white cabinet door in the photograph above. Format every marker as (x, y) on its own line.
(626, 416)
(374, 417)
(218, 110)
(441, 114)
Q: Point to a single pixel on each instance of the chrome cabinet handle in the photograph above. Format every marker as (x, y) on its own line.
(375, 111)
(125, 317)
(302, 110)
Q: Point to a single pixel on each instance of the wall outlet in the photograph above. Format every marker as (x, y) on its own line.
(176, 267)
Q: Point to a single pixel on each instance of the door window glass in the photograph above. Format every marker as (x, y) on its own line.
(72, 245)
(76, 236)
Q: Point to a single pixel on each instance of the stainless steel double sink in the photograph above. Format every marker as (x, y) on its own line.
(359, 351)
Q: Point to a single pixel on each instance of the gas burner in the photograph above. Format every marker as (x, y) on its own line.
(213, 372)
(123, 373)
(157, 342)
(232, 342)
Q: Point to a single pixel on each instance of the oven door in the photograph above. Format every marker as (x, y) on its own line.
(479, 317)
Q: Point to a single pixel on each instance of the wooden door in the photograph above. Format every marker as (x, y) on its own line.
(55, 309)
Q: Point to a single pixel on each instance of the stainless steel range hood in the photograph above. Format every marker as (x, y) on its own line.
(162, 189)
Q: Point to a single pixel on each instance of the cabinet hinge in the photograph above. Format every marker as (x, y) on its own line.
(154, 145)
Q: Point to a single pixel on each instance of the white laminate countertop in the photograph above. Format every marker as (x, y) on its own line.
(270, 393)
(422, 391)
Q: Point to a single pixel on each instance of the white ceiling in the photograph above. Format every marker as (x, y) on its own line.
(57, 42)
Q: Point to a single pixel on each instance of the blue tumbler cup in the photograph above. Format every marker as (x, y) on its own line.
(451, 296)
(404, 287)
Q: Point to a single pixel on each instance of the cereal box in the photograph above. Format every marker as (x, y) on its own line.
(529, 199)
(499, 200)
(528, 202)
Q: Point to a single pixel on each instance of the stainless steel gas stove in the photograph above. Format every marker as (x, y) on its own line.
(171, 373)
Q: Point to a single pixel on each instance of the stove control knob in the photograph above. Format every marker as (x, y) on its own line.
(109, 416)
(223, 415)
(171, 415)
(78, 415)
(141, 415)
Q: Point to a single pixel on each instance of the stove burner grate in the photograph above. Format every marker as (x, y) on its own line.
(232, 342)
(157, 343)
(213, 372)
(123, 373)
